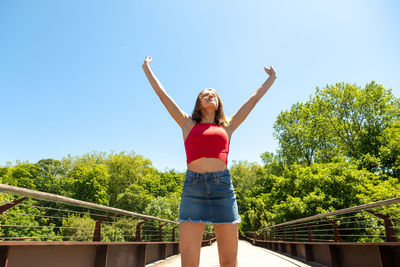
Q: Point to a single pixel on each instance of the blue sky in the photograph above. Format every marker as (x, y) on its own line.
(71, 80)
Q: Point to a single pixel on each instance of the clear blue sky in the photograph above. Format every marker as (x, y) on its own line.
(71, 80)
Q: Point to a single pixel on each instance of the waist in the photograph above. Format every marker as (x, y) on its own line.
(203, 165)
(207, 175)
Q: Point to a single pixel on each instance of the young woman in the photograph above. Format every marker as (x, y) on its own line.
(208, 194)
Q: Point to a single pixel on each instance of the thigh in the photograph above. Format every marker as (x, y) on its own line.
(190, 238)
(227, 240)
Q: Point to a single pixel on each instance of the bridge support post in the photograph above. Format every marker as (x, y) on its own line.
(293, 250)
(310, 237)
(141, 259)
(173, 234)
(390, 234)
(138, 237)
(176, 249)
(335, 256)
(101, 256)
(294, 234)
(97, 229)
(163, 251)
(336, 231)
(390, 256)
(3, 256)
(160, 231)
(309, 252)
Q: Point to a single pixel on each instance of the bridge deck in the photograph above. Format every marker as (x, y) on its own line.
(248, 255)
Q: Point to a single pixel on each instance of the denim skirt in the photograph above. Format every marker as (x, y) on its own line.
(208, 198)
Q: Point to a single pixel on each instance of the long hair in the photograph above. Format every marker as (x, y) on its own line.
(219, 118)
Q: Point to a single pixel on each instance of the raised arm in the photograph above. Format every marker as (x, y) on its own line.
(248, 106)
(179, 116)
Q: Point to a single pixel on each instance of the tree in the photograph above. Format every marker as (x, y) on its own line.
(89, 183)
(341, 120)
(135, 198)
(358, 116)
(125, 170)
(50, 175)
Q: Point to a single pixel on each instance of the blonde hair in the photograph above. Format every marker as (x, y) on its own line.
(219, 118)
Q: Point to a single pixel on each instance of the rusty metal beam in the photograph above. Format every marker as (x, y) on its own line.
(294, 233)
(340, 254)
(310, 237)
(3, 256)
(101, 256)
(83, 254)
(160, 231)
(173, 234)
(335, 256)
(97, 228)
(7, 206)
(390, 234)
(390, 256)
(141, 256)
(335, 230)
(138, 226)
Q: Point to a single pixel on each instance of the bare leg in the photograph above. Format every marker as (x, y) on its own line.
(190, 237)
(227, 240)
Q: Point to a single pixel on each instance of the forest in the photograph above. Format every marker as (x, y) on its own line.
(339, 149)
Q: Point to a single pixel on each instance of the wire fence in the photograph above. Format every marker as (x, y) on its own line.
(39, 216)
(373, 222)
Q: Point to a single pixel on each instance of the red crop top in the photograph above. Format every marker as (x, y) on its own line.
(207, 140)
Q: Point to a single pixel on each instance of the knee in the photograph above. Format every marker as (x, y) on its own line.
(190, 258)
(228, 262)
(189, 262)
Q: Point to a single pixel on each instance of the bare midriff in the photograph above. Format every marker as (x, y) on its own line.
(207, 165)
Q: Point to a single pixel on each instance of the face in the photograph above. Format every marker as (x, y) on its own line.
(208, 99)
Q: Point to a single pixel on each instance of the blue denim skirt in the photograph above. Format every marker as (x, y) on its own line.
(208, 198)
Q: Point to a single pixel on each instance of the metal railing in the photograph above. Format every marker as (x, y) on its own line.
(41, 218)
(360, 228)
(332, 227)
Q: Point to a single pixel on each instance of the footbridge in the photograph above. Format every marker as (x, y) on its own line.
(41, 229)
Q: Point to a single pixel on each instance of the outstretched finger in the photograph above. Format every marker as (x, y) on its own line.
(147, 59)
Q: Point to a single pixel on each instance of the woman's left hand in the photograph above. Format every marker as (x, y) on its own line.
(270, 71)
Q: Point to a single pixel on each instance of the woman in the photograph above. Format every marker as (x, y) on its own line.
(208, 195)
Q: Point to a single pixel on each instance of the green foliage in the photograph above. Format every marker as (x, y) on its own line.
(126, 170)
(78, 228)
(164, 207)
(111, 233)
(89, 183)
(123, 229)
(21, 223)
(337, 150)
(341, 120)
(125, 180)
(135, 198)
(22, 175)
(50, 176)
(389, 152)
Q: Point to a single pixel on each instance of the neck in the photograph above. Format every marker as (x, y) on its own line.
(208, 117)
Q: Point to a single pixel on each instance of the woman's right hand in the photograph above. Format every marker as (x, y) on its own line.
(147, 60)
